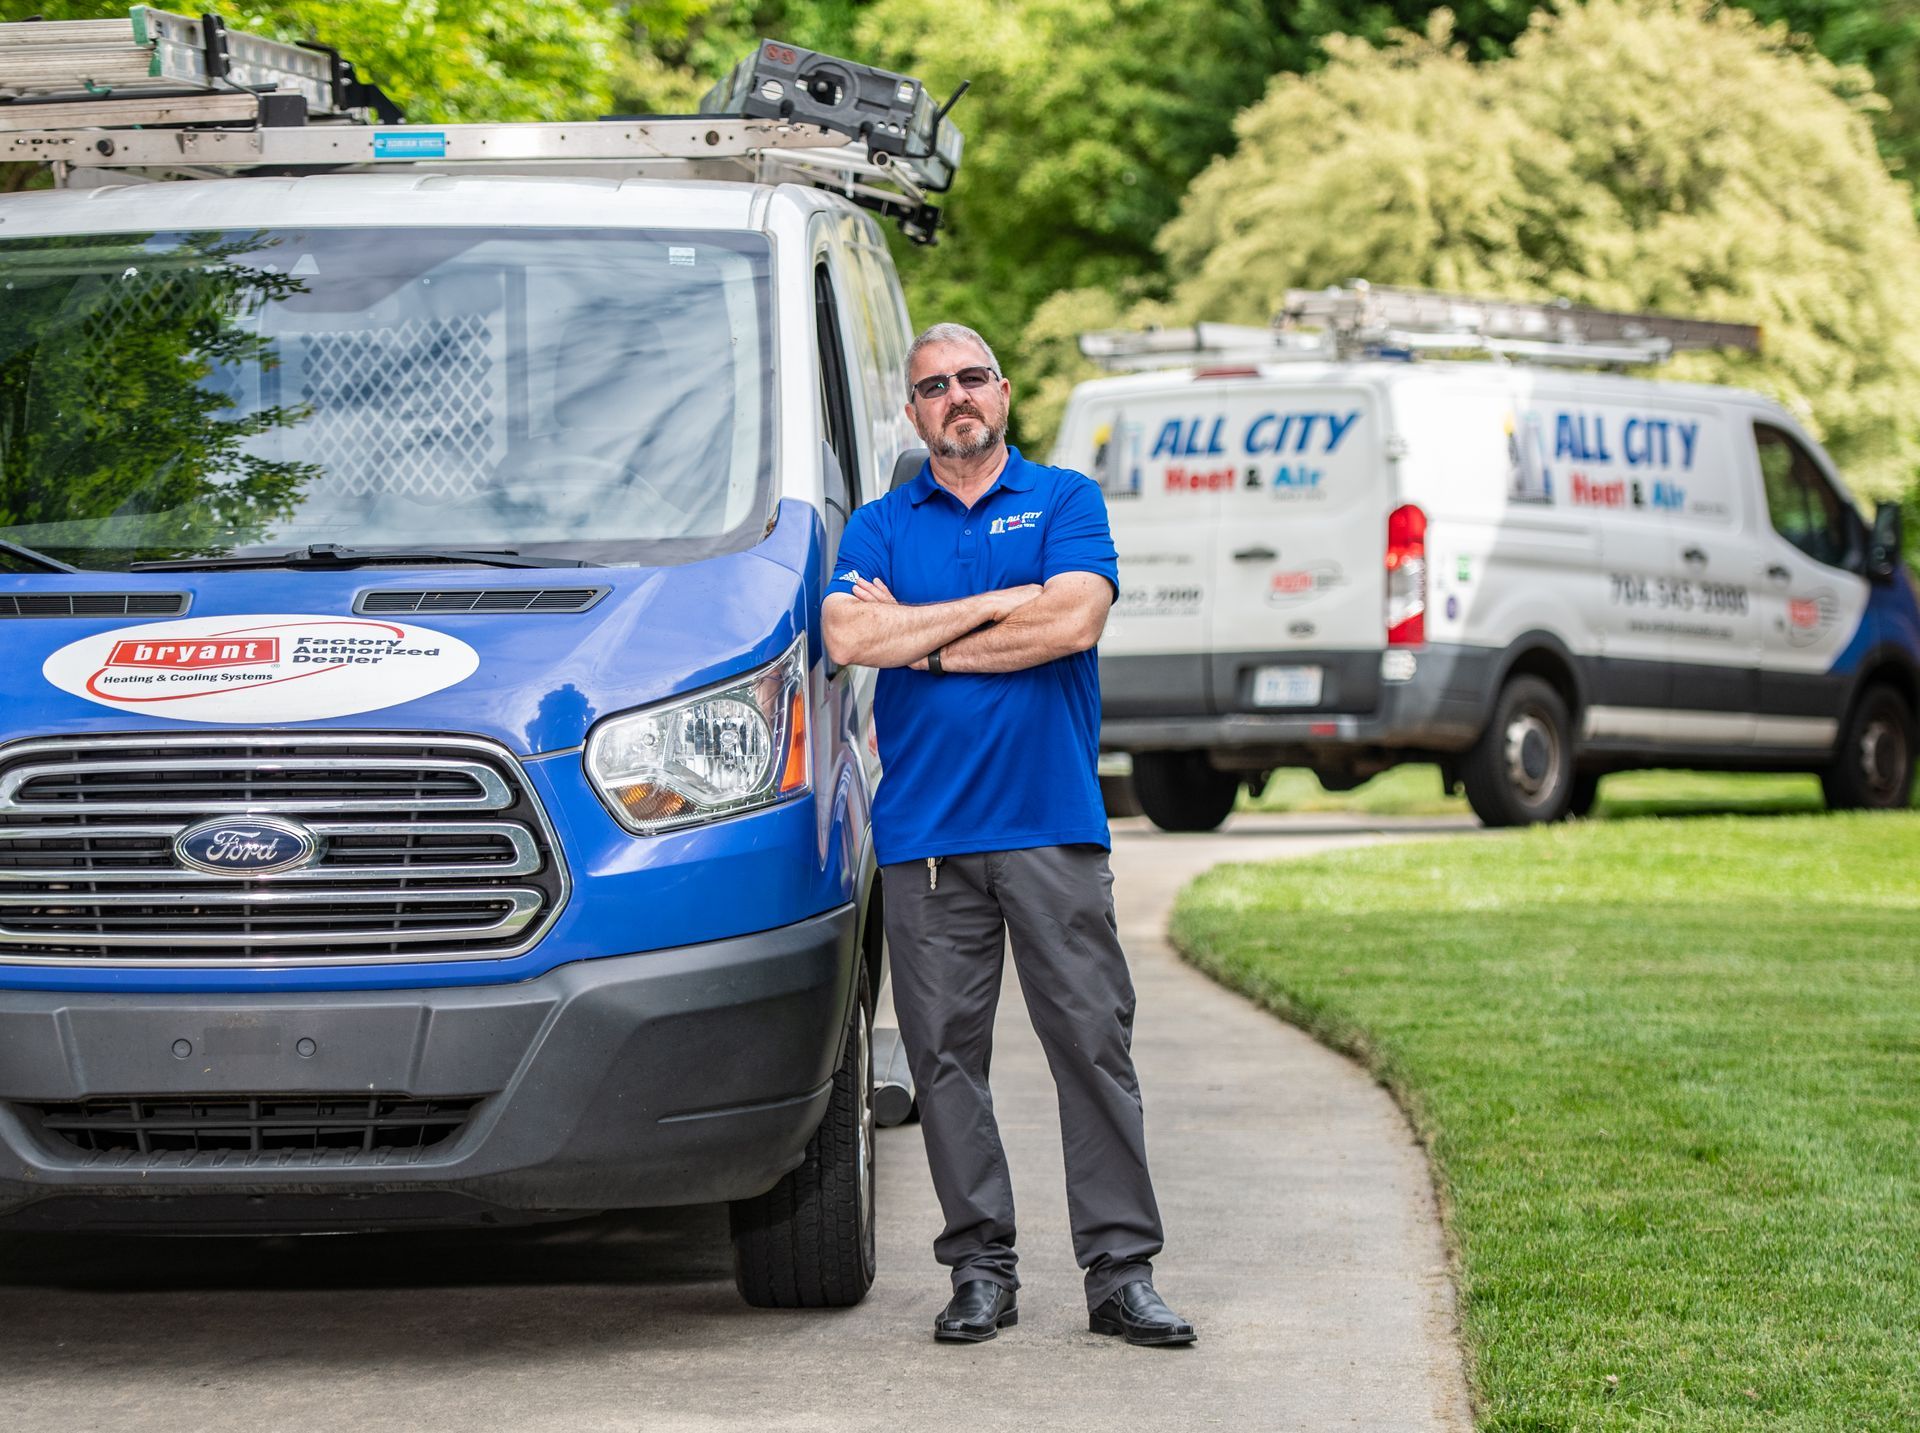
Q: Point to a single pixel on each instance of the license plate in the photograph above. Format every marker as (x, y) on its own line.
(1286, 687)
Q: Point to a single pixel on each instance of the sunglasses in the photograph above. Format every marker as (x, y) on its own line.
(934, 384)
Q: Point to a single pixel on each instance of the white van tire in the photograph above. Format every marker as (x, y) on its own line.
(1182, 790)
(1520, 770)
(808, 1242)
(1872, 767)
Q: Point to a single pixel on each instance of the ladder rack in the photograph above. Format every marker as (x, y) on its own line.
(107, 100)
(1361, 320)
(153, 54)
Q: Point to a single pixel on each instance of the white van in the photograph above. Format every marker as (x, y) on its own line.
(1528, 574)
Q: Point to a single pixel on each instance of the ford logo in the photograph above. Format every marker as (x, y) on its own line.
(245, 846)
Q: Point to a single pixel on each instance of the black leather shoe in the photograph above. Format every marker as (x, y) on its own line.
(1138, 1312)
(978, 1310)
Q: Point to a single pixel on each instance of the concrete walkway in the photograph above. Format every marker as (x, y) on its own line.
(1302, 1240)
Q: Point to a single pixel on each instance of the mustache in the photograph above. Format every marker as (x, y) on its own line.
(955, 414)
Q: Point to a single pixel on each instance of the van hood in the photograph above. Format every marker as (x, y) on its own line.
(301, 648)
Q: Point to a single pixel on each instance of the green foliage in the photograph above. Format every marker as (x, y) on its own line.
(1665, 1073)
(441, 60)
(1086, 119)
(1883, 35)
(1721, 170)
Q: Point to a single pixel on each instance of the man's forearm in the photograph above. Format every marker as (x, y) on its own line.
(1053, 625)
(889, 634)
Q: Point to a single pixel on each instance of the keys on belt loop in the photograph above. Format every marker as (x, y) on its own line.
(933, 873)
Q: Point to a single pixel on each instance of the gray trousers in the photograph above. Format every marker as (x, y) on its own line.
(945, 945)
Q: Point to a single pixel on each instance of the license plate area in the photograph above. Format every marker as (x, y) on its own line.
(1287, 686)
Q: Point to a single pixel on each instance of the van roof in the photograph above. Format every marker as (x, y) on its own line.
(1389, 373)
(455, 200)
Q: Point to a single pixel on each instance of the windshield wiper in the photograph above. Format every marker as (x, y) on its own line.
(325, 554)
(38, 559)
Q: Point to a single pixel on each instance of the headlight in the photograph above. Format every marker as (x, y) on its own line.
(717, 753)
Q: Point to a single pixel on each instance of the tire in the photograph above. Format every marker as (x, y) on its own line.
(1118, 796)
(808, 1242)
(1520, 770)
(1872, 766)
(1181, 791)
(1586, 791)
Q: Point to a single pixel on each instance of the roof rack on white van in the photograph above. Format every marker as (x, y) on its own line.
(164, 96)
(1361, 320)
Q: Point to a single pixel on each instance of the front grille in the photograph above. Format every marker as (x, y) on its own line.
(482, 599)
(93, 604)
(429, 848)
(227, 1130)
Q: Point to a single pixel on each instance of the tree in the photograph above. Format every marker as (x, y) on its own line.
(1085, 123)
(1722, 170)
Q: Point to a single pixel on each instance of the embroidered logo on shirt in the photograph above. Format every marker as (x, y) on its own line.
(1013, 523)
(848, 576)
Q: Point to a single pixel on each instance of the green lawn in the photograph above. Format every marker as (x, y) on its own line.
(1669, 1073)
(1415, 791)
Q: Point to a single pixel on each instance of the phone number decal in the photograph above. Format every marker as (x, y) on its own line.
(1158, 601)
(1664, 594)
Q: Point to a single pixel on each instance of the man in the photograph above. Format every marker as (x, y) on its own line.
(980, 589)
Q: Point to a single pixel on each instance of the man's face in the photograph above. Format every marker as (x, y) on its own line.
(963, 422)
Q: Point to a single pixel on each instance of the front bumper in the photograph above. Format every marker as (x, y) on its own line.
(1440, 707)
(675, 1077)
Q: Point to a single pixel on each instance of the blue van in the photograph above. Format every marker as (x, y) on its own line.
(424, 793)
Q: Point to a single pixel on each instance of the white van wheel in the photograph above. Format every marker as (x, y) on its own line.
(1520, 771)
(1182, 790)
(1873, 766)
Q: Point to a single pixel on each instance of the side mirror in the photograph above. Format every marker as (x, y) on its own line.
(1884, 547)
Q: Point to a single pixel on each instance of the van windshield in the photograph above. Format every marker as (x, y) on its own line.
(598, 395)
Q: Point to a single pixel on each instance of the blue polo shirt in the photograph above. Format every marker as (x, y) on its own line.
(984, 761)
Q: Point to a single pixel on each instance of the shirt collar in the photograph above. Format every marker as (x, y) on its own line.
(1016, 477)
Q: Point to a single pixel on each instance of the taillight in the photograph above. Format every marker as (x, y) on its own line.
(1406, 577)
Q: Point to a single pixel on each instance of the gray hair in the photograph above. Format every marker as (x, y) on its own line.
(951, 333)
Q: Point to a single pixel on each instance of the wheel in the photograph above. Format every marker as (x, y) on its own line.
(808, 1242)
(1872, 767)
(1586, 791)
(1520, 771)
(1181, 791)
(1118, 796)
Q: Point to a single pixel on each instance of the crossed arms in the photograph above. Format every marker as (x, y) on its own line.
(1004, 631)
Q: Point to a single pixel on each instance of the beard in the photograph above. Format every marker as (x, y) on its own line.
(955, 449)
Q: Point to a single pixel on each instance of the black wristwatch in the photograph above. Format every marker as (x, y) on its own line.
(933, 662)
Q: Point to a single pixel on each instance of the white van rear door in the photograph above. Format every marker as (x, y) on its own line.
(1297, 548)
(1154, 650)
